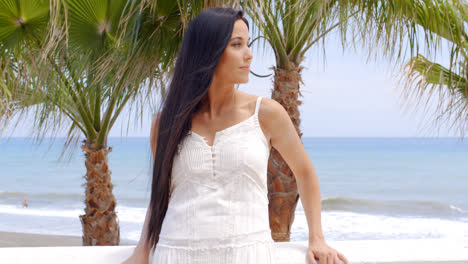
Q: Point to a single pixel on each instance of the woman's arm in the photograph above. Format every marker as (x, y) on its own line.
(289, 145)
(142, 250)
(142, 247)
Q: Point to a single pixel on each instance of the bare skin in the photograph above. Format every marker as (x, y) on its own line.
(225, 106)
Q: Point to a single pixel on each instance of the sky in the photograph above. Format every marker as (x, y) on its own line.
(347, 96)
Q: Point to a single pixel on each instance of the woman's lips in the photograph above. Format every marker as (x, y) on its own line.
(245, 68)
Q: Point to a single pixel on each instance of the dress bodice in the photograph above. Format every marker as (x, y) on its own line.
(219, 192)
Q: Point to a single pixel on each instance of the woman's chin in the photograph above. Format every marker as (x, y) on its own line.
(243, 80)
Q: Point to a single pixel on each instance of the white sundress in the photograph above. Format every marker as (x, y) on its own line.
(218, 209)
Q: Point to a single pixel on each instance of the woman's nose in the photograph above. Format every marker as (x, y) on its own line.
(249, 55)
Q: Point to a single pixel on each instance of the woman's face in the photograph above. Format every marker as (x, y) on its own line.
(234, 65)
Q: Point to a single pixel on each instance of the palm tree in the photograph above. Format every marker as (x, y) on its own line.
(79, 63)
(424, 78)
(4, 91)
(292, 27)
(6, 80)
(12, 71)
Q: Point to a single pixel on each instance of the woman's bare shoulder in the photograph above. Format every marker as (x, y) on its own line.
(269, 109)
(268, 115)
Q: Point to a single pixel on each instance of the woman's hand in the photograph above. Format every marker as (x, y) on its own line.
(324, 253)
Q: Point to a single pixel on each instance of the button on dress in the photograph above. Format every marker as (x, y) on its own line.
(218, 208)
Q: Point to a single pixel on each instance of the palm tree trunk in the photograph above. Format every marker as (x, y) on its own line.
(100, 223)
(282, 188)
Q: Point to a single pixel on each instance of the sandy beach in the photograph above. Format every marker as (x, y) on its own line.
(12, 239)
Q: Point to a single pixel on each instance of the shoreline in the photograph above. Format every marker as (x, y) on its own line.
(14, 239)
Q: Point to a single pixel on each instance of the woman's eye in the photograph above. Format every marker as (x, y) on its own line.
(236, 44)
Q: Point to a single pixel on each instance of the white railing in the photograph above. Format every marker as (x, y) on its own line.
(362, 252)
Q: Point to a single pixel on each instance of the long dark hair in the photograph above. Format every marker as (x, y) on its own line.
(204, 42)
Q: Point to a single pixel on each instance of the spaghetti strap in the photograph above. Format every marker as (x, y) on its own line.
(257, 106)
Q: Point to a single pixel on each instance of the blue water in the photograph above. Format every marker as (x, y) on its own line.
(371, 188)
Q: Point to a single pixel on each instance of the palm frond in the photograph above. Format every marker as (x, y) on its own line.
(21, 21)
(92, 59)
(424, 79)
(389, 28)
(393, 25)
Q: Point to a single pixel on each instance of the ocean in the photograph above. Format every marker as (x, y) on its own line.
(371, 188)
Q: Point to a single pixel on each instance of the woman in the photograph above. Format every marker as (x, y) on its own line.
(211, 144)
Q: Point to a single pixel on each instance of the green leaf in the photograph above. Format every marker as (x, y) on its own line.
(22, 20)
